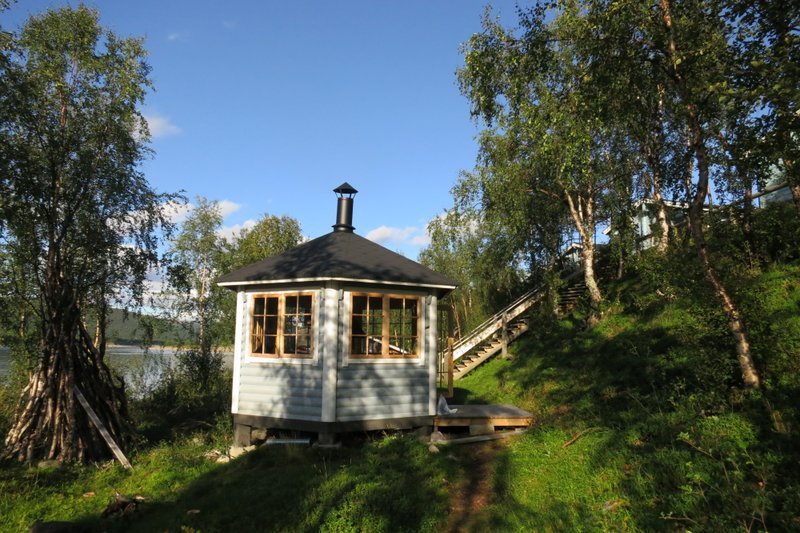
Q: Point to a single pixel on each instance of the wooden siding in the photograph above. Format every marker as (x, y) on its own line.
(382, 391)
(281, 391)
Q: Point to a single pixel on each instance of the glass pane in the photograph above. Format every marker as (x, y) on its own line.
(375, 302)
(358, 325)
(305, 305)
(257, 343)
(272, 306)
(291, 305)
(375, 326)
(270, 344)
(271, 325)
(304, 344)
(395, 303)
(375, 346)
(359, 305)
(410, 345)
(289, 345)
(358, 345)
(289, 324)
(258, 306)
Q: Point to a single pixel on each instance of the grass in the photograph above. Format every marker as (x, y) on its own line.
(390, 484)
(641, 425)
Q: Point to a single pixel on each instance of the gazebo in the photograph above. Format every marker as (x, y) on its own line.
(338, 334)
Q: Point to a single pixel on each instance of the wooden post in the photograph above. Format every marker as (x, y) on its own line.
(102, 429)
(241, 435)
(504, 337)
(450, 342)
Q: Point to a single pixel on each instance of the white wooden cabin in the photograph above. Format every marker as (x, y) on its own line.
(337, 334)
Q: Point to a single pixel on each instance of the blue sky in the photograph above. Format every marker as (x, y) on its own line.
(268, 106)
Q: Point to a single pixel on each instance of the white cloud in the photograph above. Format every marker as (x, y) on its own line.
(176, 36)
(421, 240)
(226, 207)
(177, 212)
(160, 126)
(386, 234)
(228, 232)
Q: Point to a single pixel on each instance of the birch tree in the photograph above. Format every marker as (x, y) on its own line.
(528, 88)
(79, 214)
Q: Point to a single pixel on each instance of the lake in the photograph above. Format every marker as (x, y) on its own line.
(141, 370)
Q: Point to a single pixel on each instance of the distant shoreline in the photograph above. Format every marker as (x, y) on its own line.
(159, 347)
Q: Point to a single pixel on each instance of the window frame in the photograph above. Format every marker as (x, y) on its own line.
(386, 320)
(281, 334)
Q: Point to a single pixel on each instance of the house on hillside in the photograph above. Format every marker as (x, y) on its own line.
(337, 334)
(645, 220)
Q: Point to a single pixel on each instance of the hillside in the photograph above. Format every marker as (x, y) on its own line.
(134, 328)
(642, 421)
(641, 425)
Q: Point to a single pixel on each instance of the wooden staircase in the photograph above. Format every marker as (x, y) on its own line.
(504, 327)
(488, 339)
(569, 295)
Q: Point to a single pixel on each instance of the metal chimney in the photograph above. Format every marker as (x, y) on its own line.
(344, 207)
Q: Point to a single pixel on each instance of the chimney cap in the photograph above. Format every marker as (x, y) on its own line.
(345, 189)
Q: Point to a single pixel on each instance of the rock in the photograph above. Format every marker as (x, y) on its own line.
(51, 463)
(258, 434)
(433, 449)
(437, 436)
(212, 455)
(236, 451)
(223, 459)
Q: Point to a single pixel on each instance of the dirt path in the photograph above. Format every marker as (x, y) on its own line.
(477, 490)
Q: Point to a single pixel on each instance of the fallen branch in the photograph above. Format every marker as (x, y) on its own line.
(580, 434)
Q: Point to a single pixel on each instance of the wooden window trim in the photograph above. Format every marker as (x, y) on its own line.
(385, 327)
(280, 334)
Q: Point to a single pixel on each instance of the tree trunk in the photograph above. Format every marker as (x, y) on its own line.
(698, 147)
(663, 221)
(653, 147)
(583, 218)
(735, 322)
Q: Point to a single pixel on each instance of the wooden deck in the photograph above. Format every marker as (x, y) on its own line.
(484, 418)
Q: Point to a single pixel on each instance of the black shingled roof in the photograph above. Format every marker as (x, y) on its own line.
(339, 255)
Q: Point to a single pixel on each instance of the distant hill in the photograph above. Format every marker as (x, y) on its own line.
(133, 328)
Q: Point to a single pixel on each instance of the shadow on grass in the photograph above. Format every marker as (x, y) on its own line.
(387, 485)
(685, 444)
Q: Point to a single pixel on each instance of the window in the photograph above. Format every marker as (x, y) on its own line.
(282, 325)
(384, 326)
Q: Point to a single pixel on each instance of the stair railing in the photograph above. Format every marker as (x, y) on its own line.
(489, 326)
